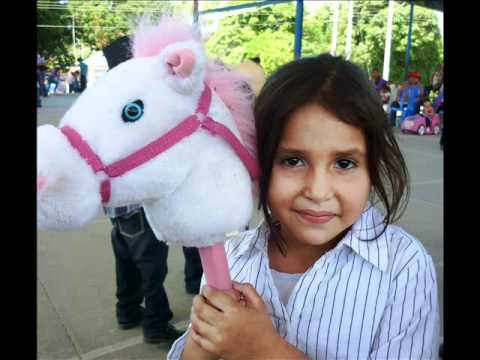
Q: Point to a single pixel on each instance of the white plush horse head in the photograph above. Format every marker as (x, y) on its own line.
(194, 190)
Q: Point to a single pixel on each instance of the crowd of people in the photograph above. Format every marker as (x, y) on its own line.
(412, 97)
(54, 81)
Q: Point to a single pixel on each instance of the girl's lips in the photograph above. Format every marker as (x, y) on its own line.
(320, 217)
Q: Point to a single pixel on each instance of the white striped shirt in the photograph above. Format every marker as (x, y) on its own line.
(364, 299)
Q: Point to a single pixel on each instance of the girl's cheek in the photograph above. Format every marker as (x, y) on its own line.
(286, 181)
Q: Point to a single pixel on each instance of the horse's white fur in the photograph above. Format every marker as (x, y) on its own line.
(58, 207)
(192, 194)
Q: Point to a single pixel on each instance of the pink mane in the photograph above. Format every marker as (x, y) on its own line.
(232, 88)
(150, 39)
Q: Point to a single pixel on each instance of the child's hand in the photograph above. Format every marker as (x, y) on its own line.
(231, 328)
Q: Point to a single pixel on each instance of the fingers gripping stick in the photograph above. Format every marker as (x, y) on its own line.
(215, 267)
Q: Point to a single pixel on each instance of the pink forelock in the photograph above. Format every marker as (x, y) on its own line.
(149, 39)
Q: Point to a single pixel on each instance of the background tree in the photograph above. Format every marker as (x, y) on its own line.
(368, 48)
(105, 21)
(266, 32)
(54, 43)
(269, 33)
(97, 23)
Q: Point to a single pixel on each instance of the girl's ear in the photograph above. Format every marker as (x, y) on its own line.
(182, 65)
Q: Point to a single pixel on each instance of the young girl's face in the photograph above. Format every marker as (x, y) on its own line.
(428, 109)
(320, 183)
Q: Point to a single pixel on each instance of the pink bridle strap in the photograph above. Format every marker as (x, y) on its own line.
(218, 128)
(166, 141)
(90, 157)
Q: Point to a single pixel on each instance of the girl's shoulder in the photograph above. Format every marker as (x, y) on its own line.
(240, 242)
(391, 249)
(405, 251)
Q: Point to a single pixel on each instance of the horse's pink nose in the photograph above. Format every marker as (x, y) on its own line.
(41, 183)
(181, 62)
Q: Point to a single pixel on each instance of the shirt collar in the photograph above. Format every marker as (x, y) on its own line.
(362, 238)
(254, 238)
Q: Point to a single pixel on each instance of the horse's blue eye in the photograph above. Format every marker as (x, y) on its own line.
(132, 111)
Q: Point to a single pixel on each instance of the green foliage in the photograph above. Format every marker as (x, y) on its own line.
(54, 43)
(97, 23)
(105, 21)
(266, 33)
(427, 45)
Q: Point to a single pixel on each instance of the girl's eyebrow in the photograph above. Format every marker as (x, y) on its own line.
(338, 153)
(350, 152)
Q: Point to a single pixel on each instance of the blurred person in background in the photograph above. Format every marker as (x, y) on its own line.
(83, 74)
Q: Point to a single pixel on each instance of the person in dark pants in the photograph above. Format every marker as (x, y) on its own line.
(83, 74)
(41, 68)
(39, 100)
(141, 268)
(193, 270)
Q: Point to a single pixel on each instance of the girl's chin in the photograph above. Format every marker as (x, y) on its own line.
(315, 238)
(319, 236)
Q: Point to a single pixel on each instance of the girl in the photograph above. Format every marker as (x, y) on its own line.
(326, 275)
(428, 113)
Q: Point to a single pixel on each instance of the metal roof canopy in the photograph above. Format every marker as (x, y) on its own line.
(298, 17)
(431, 4)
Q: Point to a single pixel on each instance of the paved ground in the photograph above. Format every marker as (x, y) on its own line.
(76, 279)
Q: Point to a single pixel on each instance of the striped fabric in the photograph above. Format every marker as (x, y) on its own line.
(364, 299)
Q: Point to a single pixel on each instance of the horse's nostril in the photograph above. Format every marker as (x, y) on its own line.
(41, 183)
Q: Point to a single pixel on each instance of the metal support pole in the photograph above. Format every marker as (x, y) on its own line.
(195, 11)
(388, 42)
(348, 46)
(298, 29)
(336, 8)
(409, 46)
(73, 36)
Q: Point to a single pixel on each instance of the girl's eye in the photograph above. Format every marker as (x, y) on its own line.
(345, 164)
(292, 162)
(132, 111)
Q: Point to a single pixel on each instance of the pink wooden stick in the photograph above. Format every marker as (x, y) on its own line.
(215, 267)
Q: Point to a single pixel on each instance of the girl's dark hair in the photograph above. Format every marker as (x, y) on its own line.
(344, 90)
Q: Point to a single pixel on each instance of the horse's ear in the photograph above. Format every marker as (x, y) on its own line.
(183, 66)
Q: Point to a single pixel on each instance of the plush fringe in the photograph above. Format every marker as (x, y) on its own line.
(233, 89)
(150, 39)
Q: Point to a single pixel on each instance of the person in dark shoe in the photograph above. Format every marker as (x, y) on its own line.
(166, 334)
(141, 268)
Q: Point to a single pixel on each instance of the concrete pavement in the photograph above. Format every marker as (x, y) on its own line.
(76, 276)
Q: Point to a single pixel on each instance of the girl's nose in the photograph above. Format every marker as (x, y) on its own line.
(318, 186)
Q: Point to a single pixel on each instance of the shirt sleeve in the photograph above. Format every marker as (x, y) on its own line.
(409, 328)
(176, 350)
